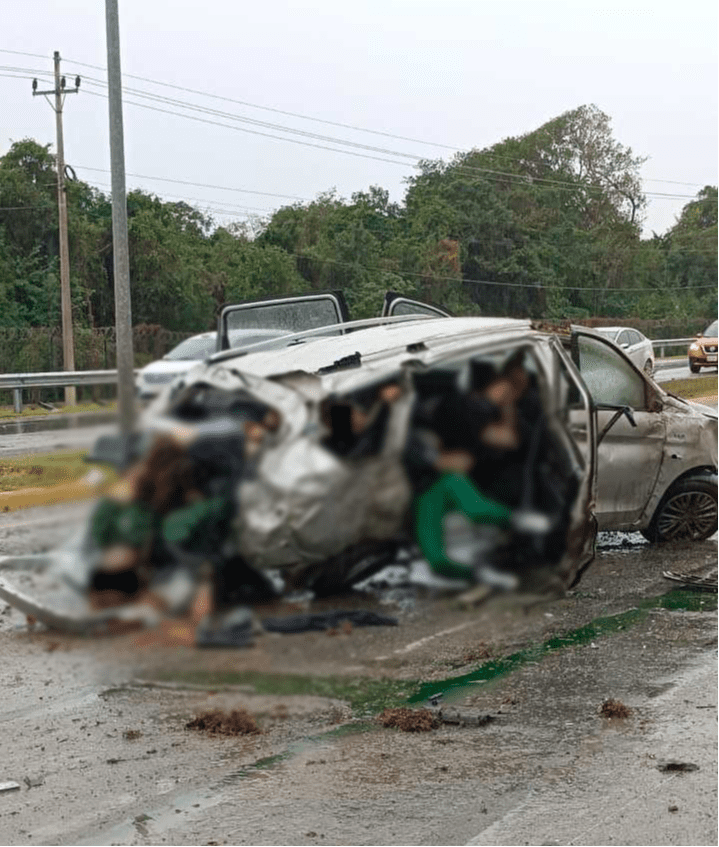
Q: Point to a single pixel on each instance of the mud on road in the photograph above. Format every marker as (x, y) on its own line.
(95, 731)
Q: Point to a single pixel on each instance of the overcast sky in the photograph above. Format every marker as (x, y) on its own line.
(443, 74)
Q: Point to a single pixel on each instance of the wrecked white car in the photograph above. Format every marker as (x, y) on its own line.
(491, 449)
(326, 493)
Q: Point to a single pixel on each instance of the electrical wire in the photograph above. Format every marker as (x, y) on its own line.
(318, 120)
(183, 104)
(417, 161)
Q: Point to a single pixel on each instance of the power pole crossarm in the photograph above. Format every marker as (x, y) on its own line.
(68, 343)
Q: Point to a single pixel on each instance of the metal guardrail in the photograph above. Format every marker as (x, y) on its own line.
(17, 382)
(662, 343)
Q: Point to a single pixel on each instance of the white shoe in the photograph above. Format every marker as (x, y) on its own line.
(420, 573)
(531, 522)
(487, 575)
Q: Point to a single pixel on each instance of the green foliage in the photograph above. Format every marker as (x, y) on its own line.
(543, 224)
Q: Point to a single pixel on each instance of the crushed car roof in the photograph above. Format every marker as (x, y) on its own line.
(384, 342)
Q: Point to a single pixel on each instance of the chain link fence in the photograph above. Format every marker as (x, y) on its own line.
(39, 349)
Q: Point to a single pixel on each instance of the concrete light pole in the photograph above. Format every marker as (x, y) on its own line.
(120, 249)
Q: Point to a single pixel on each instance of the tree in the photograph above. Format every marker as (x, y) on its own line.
(537, 217)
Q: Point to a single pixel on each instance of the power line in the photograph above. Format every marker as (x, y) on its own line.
(413, 158)
(254, 132)
(280, 111)
(198, 184)
(463, 167)
(301, 116)
(323, 120)
(463, 280)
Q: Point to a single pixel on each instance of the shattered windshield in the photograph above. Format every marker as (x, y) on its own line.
(286, 317)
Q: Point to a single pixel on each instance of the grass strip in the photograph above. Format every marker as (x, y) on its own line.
(703, 386)
(46, 479)
(9, 413)
(42, 469)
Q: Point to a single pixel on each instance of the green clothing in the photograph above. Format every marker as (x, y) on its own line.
(129, 524)
(452, 492)
(194, 526)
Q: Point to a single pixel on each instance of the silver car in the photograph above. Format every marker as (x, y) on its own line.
(637, 347)
(655, 454)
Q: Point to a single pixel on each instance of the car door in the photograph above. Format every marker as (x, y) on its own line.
(398, 304)
(574, 409)
(631, 430)
(281, 315)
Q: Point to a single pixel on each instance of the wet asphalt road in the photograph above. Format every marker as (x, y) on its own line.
(54, 433)
(94, 729)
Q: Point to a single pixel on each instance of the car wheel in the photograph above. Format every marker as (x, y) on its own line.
(648, 367)
(688, 511)
(694, 368)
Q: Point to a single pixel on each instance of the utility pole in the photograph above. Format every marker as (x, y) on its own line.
(120, 248)
(68, 343)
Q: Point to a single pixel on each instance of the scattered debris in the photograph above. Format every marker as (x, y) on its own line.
(677, 767)
(320, 621)
(232, 628)
(9, 786)
(34, 781)
(674, 808)
(409, 720)
(217, 722)
(131, 734)
(688, 580)
(612, 708)
(464, 718)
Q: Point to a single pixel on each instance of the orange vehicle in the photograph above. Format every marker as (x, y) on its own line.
(703, 352)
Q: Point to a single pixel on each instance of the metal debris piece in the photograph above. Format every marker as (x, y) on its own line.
(677, 767)
(9, 786)
(688, 580)
(319, 621)
(454, 716)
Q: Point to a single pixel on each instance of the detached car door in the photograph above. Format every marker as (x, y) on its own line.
(630, 430)
(271, 318)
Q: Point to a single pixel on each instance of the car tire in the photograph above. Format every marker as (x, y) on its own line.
(694, 368)
(649, 368)
(687, 512)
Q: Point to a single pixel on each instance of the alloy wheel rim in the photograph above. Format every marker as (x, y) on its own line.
(692, 514)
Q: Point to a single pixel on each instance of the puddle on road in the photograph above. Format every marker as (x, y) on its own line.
(676, 600)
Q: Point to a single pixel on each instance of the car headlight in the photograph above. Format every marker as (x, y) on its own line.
(694, 348)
